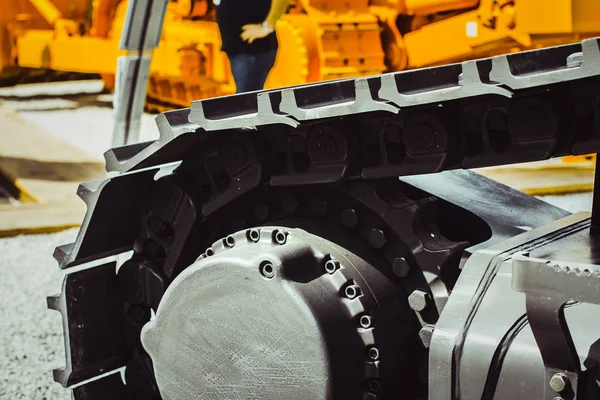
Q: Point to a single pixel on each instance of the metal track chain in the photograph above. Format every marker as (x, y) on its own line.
(522, 107)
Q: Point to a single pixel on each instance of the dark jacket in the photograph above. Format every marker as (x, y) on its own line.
(232, 15)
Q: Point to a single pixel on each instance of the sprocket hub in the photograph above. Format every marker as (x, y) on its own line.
(278, 313)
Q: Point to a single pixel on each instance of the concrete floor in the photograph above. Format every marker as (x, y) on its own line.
(30, 335)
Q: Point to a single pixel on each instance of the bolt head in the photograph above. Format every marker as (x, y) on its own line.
(559, 382)
(418, 300)
(400, 267)
(377, 238)
(349, 218)
(426, 333)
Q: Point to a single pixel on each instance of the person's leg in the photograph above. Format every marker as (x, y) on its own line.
(240, 71)
(259, 69)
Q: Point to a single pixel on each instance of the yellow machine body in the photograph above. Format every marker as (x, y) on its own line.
(319, 39)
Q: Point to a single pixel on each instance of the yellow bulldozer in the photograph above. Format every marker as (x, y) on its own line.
(319, 39)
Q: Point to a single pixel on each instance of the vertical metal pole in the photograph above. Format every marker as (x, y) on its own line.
(141, 35)
(595, 225)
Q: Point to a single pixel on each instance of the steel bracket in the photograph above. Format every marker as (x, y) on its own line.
(549, 287)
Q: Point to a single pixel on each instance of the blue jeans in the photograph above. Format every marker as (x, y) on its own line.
(250, 71)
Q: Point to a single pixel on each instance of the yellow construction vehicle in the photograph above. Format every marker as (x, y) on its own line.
(320, 39)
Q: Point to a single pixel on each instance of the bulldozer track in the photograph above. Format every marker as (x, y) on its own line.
(337, 148)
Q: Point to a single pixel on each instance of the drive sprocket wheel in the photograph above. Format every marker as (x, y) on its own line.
(277, 312)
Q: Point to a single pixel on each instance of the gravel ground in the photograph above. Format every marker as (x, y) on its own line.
(30, 335)
(31, 343)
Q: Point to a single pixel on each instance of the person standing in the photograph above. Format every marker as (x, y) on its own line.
(248, 38)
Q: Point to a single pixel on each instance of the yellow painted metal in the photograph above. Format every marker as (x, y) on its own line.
(319, 39)
(302, 50)
(447, 40)
(349, 38)
(534, 19)
(48, 10)
(581, 160)
(497, 27)
(586, 15)
(102, 17)
(41, 49)
(424, 7)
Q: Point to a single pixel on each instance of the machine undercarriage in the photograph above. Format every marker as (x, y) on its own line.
(326, 241)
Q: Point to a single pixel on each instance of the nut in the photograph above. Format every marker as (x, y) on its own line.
(559, 382)
(374, 353)
(267, 270)
(280, 236)
(418, 300)
(366, 321)
(253, 235)
(229, 241)
(331, 266)
(352, 291)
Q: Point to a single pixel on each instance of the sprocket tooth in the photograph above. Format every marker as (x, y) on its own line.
(172, 125)
(360, 101)
(102, 200)
(92, 323)
(467, 84)
(53, 302)
(61, 253)
(591, 54)
(501, 66)
(88, 191)
(58, 303)
(576, 63)
(264, 114)
(117, 157)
